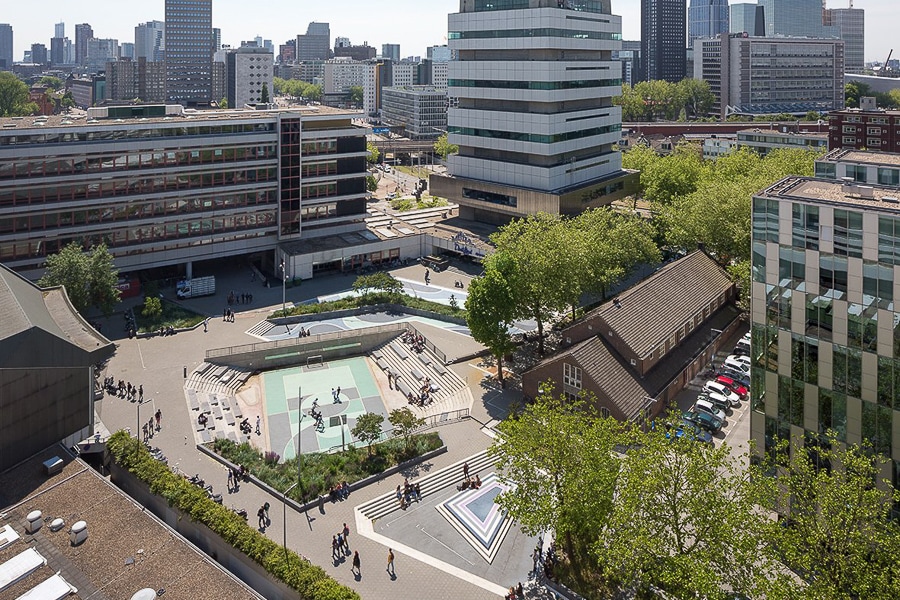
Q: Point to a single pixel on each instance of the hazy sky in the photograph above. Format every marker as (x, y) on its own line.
(414, 24)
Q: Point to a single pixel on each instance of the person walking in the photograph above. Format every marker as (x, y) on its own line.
(346, 532)
(158, 416)
(230, 481)
(390, 565)
(356, 563)
(261, 517)
(334, 548)
(465, 470)
(258, 422)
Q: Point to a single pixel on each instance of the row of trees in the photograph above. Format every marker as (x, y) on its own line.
(694, 201)
(658, 99)
(544, 264)
(854, 90)
(640, 509)
(15, 100)
(295, 88)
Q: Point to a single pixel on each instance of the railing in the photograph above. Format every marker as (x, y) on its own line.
(437, 420)
(304, 341)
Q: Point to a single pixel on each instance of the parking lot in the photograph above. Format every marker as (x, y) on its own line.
(736, 431)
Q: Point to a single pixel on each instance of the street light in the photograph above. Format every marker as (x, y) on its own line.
(284, 514)
(283, 286)
(137, 431)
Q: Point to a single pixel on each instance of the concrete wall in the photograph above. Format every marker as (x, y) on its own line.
(201, 536)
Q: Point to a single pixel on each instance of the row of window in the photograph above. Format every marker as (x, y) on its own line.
(532, 32)
(78, 135)
(204, 229)
(593, 6)
(134, 186)
(534, 85)
(535, 137)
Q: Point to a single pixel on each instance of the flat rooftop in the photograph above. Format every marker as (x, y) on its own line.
(80, 118)
(810, 134)
(866, 157)
(829, 191)
(126, 549)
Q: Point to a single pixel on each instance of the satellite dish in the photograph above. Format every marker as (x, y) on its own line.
(144, 594)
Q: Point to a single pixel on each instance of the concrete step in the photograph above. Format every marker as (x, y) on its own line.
(449, 476)
(260, 329)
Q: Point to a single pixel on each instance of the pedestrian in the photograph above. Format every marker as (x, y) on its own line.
(225, 314)
(536, 560)
(356, 563)
(340, 544)
(230, 480)
(205, 324)
(465, 470)
(390, 565)
(261, 516)
(258, 423)
(158, 416)
(346, 534)
(145, 432)
(266, 511)
(334, 548)
(141, 392)
(150, 426)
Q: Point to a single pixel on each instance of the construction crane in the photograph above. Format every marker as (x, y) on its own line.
(886, 68)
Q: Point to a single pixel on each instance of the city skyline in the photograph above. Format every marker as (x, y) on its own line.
(413, 25)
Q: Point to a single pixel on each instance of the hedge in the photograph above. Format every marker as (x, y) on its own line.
(350, 302)
(310, 581)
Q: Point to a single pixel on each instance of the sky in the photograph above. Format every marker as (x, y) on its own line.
(414, 24)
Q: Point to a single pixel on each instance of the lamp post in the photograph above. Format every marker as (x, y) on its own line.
(283, 286)
(300, 437)
(137, 431)
(284, 515)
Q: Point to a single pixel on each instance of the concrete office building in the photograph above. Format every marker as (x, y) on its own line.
(364, 52)
(150, 41)
(862, 166)
(630, 57)
(747, 18)
(164, 187)
(850, 24)
(825, 325)
(663, 23)
(100, 52)
(764, 141)
(419, 110)
(315, 45)
(439, 53)
(248, 70)
(83, 32)
(796, 18)
(189, 51)
(127, 80)
(391, 51)
(706, 19)
(341, 74)
(57, 51)
(535, 122)
(39, 54)
(759, 76)
(59, 30)
(404, 74)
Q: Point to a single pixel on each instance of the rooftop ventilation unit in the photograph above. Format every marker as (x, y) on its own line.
(33, 521)
(78, 533)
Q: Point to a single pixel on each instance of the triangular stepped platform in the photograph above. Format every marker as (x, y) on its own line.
(387, 503)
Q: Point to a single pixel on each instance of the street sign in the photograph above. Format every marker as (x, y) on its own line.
(380, 130)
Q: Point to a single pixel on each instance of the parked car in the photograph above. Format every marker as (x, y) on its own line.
(739, 365)
(705, 406)
(704, 420)
(742, 348)
(736, 374)
(734, 386)
(740, 358)
(692, 431)
(714, 387)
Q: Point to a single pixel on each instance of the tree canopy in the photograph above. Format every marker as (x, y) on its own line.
(14, 98)
(368, 428)
(651, 100)
(491, 310)
(356, 94)
(443, 148)
(296, 88)
(90, 278)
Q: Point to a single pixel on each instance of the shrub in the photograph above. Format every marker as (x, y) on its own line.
(308, 580)
(271, 458)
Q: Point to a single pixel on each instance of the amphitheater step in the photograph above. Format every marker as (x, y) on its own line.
(260, 329)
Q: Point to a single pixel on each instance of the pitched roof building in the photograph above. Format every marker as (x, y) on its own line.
(635, 352)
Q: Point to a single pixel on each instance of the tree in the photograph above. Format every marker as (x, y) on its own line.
(443, 148)
(490, 311)
(368, 429)
(371, 183)
(54, 83)
(560, 457)
(152, 307)
(223, 103)
(678, 175)
(90, 279)
(356, 94)
(14, 98)
(373, 153)
(696, 97)
(684, 519)
(264, 95)
(405, 422)
(836, 532)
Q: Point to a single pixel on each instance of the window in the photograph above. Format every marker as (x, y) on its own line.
(833, 413)
(849, 140)
(857, 172)
(873, 142)
(790, 401)
(877, 424)
(571, 376)
(806, 226)
(848, 232)
(765, 220)
(888, 176)
(873, 130)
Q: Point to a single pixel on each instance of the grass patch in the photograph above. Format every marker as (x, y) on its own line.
(321, 471)
(173, 315)
(370, 299)
(408, 203)
(310, 582)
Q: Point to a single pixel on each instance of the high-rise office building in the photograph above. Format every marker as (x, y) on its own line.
(248, 70)
(217, 39)
(825, 323)
(851, 26)
(150, 41)
(189, 51)
(663, 25)
(83, 32)
(39, 54)
(59, 30)
(6, 46)
(315, 44)
(58, 51)
(706, 18)
(630, 57)
(797, 18)
(535, 122)
(747, 18)
(99, 52)
(391, 51)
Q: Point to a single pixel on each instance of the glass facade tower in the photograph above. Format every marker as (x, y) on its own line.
(706, 19)
(663, 43)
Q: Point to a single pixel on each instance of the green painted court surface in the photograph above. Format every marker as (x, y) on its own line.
(359, 395)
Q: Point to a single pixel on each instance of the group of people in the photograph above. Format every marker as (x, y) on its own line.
(148, 427)
(245, 426)
(130, 325)
(235, 475)
(339, 491)
(163, 331)
(340, 544)
(415, 340)
(304, 332)
(336, 394)
(467, 482)
(242, 298)
(228, 315)
(124, 389)
(544, 562)
(515, 592)
(409, 493)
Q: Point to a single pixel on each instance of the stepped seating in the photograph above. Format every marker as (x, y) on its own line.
(260, 329)
(221, 379)
(409, 371)
(451, 476)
